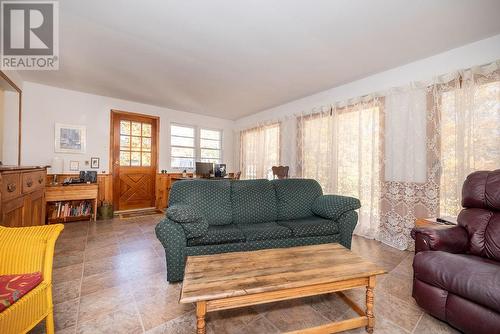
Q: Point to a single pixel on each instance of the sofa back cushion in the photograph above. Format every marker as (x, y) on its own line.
(211, 198)
(295, 197)
(481, 214)
(253, 201)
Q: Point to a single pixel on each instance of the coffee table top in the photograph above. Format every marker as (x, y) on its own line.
(209, 277)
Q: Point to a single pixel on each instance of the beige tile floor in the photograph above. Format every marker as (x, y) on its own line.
(109, 277)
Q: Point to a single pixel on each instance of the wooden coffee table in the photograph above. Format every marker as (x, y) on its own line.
(231, 280)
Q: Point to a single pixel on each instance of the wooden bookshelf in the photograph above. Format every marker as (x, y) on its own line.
(73, 196)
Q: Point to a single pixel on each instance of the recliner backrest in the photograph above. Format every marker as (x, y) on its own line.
(481, 213)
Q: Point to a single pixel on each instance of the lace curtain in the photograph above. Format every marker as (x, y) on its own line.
(259, 151)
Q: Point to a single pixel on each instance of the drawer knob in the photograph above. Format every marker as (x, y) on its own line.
(40, 180)
(29, 183)
(11, 187)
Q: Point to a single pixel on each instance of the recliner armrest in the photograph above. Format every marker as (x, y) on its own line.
(452, 240)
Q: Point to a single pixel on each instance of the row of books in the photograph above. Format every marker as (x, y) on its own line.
(68, 209)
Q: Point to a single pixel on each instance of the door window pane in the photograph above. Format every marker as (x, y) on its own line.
(136, 129)
(124, 142)
(135, 159)
(136, 143)
(146, 130)
(124, 158)
(125, 127)
(146, 159)
(146, 144)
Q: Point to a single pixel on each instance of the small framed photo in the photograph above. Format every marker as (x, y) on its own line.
(74, 166)
(70, 138)
(94, 163)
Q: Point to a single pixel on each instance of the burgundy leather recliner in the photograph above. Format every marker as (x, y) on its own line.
(457, 270)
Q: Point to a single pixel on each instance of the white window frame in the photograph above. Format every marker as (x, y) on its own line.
(193, 147)
(197, 144)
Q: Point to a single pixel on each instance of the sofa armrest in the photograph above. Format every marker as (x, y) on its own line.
(334, 206)
(192, 222)
(347, 222)
(173, 239)
(452, 240)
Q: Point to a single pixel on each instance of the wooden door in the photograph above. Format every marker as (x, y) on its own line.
(134, 154)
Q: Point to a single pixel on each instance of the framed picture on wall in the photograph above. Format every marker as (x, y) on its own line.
(74, 166)
(70, 138)
(94, 163)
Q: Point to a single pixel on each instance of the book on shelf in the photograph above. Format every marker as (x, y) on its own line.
(71, 209)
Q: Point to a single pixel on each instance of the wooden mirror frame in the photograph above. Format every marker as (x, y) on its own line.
(19, 91)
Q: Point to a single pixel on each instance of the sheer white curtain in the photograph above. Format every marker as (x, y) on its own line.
(259, 151)
(340, 147)
(404, 153)
(470, 130)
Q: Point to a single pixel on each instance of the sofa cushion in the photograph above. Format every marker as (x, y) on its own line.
(13, 287)
(471, 277)
(295, 197)
(253, 201)
(219, 235)
(211, 198)
(264, 231)
(333, 206)
(311, 226)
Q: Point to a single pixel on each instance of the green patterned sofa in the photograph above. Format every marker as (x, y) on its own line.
(217, 216)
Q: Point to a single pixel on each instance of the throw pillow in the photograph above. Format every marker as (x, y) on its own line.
(13, 287)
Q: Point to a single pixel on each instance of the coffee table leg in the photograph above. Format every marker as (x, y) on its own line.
(201, 311)
(369, 304)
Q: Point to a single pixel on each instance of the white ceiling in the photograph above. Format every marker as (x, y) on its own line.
(229, 58)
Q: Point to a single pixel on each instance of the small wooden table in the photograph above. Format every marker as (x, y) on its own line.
(232, 280)
(432, 223)
(73, 192)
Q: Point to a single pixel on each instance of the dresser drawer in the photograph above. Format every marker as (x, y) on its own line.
(11, 186)
(33, 181)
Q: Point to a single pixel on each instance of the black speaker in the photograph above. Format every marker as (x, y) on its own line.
(91, 176)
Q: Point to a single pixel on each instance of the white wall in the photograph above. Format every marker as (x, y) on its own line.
(477, 53)
(43, 106)
(10, 142)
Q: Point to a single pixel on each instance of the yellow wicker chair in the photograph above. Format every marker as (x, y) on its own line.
(27, 250)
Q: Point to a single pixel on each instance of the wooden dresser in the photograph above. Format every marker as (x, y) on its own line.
(22, 196)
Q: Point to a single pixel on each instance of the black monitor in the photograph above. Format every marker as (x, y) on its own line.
(204, 169)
